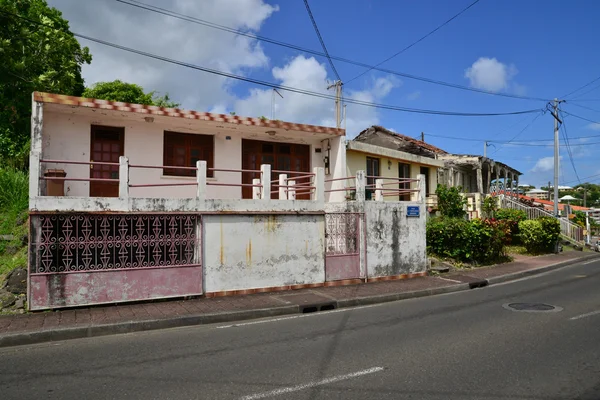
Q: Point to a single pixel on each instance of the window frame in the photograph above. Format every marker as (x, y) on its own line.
(189, 141)
(372, 161)
(402, 166)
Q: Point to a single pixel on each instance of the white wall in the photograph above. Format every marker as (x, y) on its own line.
(67, 137)
(247, 252)
(396, 244)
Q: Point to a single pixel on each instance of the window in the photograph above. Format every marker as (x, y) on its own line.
(404, 173)
(425, 171)
(184, 149)
(372, 170)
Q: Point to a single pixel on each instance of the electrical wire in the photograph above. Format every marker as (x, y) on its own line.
(312, 19)
(568, 145)
(582, 118)
(281, 87)
(519, 133)
(580, 106)
(166, 12)
(579, 88)
(414, 43)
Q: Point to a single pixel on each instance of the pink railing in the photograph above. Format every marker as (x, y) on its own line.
(59, 178)
(346, 189)
(388, 192)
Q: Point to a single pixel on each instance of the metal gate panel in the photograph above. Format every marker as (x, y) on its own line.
(342, 256)
(82, 259)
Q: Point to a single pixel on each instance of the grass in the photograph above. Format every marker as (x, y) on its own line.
(14, 201)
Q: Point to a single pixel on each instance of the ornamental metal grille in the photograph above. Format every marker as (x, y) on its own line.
(81, 242)
(342, 233)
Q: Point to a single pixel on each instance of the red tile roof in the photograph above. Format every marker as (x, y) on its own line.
(175, 112)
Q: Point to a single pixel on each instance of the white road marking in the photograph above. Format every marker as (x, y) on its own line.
(264, 321)
(278, 392)
(449, 280)
(585, 315)
(590, 262)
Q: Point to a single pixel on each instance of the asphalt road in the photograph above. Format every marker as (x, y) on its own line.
(465, 345)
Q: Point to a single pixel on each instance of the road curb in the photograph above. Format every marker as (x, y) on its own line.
(28, 338)
(547, 268)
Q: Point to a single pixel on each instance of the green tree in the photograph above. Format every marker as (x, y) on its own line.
(38, 53)
(127, 93)
(450, 201)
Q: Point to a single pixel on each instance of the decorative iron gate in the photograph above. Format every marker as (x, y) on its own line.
(79, 259)
(342, 256)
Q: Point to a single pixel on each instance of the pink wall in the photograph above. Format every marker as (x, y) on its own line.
(66, 136)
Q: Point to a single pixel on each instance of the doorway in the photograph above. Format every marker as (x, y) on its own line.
(106, 146)
(281, 156)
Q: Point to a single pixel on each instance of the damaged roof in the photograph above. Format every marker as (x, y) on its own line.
(380, 136)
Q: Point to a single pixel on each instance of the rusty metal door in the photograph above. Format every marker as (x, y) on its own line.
(342, 253)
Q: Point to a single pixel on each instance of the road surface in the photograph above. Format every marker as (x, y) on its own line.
(466, 345)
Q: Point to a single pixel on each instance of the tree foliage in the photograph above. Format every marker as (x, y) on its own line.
(450, 201)
(38, 53)
(127, 93)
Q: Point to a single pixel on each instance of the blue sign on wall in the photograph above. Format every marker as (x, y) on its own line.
(412, 211)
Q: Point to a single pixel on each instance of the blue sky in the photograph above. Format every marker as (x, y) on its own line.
(535, 48)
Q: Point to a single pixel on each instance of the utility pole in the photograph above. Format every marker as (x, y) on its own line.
(485, 145)
(422, 136)
(273, 102)
(549, 190)
(557, 120)
(584, 194)
(338, 102)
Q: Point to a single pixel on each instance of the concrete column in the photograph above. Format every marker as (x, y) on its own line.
(319, 184)
(291, 190)
(488, 184)
(123, 177)
(265, 181)
(479, 180)
(497, 183)
(360, 183)
(37, 123)
(378, 189)
(451, 178)
(256, 189)
(422, 194)
(34, 174)
(283, 187)
(201, 180)
(504, 184)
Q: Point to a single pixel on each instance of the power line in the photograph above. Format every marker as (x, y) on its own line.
(584, 107)
(584, 178)
(518, 134)
(586, 92)
(312, 18)
(570, 153)
(163, 11)
(281, 87)
(579, 88)
(582, 118)
(418, 41)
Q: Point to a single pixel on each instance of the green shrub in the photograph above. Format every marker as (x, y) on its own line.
(449, 238)
(512, 218)
(489, 207)
(479, 241)
(450, 201)
(539, 235)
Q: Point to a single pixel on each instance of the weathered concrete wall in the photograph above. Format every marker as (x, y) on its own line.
(85, 288)
(247, 252)
(396, 244)
(67, 137)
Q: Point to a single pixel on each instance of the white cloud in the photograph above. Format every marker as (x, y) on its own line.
(173, 38)
(309, 74)
(593, 126)
(544, 164)
(490, 74)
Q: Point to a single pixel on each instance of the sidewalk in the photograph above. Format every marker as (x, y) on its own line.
(105, 320)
